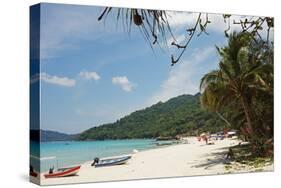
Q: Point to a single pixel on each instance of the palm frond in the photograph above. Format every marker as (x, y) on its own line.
(213, 76)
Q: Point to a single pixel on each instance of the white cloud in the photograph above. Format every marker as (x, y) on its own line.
(178, 19)
(89, 75)
(178, 39)
(61, 81)
(34, 78)
(186, 20)
(181, 78)
(123, 82)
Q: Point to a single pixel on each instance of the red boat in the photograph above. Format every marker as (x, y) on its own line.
(34, 174)
(63, 172)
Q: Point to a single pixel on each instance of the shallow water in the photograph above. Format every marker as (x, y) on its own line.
(69, 153)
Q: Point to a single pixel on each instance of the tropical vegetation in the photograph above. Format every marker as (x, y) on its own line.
(242, 90)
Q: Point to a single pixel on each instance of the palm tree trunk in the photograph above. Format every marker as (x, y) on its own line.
(221, 116)
(248, 114)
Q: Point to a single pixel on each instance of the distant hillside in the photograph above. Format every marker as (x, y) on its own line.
(179, 115)
(48, 136)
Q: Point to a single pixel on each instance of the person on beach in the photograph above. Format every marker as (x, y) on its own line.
(205, 138)
(51, 170)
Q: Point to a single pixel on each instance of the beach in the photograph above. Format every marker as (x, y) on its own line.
(185, 159)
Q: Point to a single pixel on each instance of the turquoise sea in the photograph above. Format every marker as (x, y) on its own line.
(69, 153)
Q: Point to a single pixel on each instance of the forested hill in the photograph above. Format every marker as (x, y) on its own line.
(179, 115)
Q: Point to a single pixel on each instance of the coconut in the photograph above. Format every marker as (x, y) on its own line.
(137, 19)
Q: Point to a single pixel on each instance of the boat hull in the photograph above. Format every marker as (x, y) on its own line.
(113, 161)
(34, 174)
(64, 173)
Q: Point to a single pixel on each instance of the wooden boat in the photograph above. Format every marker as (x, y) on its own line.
(110, 161)
(34, 174)
(63, 172)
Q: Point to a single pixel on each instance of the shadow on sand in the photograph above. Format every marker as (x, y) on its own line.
(213, 159)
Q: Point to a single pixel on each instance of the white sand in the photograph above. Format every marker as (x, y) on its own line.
(195, 158)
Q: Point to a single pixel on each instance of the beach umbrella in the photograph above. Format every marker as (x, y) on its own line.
(203, 135)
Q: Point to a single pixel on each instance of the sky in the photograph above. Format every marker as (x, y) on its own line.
(94, 72)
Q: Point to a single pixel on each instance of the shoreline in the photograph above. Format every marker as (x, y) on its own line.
(63, 162)
(179, 160)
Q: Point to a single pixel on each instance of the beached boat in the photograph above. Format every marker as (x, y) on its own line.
(163, 138)
(63, 172)
(34, 174)
(110, 162)
(164, 144)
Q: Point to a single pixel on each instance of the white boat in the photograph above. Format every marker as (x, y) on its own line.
(111, 161)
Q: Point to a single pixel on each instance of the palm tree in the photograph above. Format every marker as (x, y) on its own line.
(236, 80)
